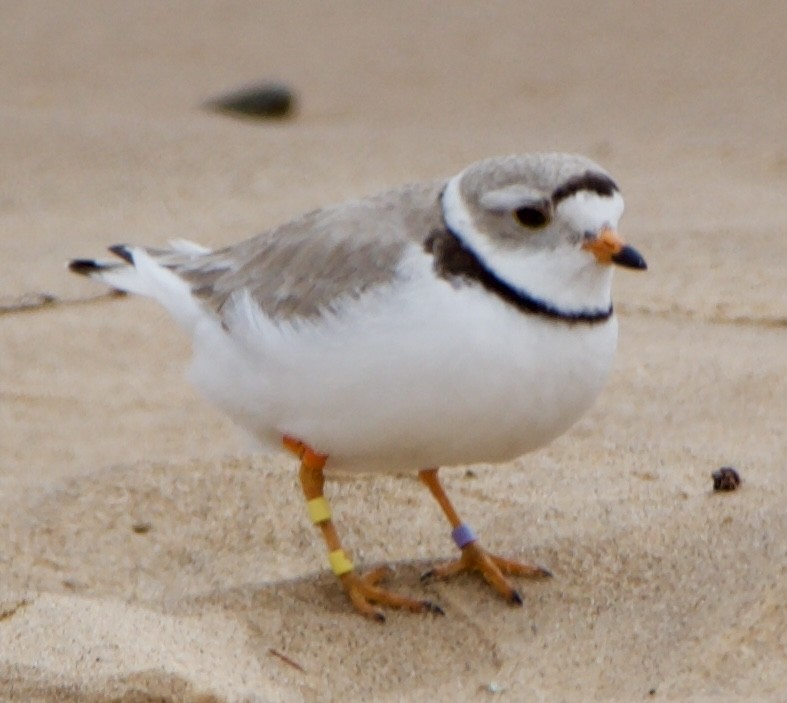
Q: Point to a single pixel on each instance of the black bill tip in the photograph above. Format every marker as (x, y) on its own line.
(630, 258)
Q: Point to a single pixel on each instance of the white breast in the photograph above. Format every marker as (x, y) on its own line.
(417, 375)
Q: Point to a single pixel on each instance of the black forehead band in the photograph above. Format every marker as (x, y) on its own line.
(590, 180)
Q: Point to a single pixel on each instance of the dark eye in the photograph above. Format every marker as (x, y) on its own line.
(531, 217)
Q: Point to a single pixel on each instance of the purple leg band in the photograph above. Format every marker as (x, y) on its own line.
(463, 535)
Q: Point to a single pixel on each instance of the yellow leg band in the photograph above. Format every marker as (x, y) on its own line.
(319, 510)
(339, 562)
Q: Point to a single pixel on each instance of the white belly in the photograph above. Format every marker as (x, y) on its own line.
(414, 377)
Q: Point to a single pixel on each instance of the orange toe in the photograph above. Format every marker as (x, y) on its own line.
(364, 593)
(493, 568)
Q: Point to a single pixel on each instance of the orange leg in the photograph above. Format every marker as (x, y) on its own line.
(362, 589)
(474, 557)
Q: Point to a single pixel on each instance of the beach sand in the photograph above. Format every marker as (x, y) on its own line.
(147, 554)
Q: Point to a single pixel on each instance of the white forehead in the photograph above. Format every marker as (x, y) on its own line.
(586, 211)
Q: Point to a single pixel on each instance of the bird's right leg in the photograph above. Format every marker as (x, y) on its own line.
(362, 589)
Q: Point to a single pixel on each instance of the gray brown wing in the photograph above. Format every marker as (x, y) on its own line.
(302, 268)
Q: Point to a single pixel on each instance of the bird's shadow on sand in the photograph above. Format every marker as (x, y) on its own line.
(310, 621)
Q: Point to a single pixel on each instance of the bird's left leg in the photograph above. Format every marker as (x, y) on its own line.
(474, 557)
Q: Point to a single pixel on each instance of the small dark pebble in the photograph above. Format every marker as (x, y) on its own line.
(263, 101)
(141, 528)
(652, 692)
(726, 479)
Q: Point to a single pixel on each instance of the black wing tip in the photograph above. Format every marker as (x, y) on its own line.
(84, 267)
(123, 251)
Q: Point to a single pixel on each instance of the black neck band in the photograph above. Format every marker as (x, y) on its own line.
(453, 259)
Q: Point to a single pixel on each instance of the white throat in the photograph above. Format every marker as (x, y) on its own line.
(567, 279)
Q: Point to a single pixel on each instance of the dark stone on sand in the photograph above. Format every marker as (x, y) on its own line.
(263, 101)
(726, 479)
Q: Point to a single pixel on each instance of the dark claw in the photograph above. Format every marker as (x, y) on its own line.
(379, 617)
(516, 598)
(433, 608)
(427, 575)
(545, 573)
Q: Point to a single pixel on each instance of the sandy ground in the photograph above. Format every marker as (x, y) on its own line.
(144, 555)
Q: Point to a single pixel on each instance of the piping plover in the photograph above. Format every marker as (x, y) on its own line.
(449, 323)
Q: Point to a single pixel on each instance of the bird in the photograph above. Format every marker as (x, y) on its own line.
(439, 324)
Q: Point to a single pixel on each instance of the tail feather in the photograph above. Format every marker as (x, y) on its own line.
(88, 267)
(141, 273)
(120, 276)
(96, 269)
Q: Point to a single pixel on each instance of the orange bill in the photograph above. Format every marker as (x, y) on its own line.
(609, 248)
